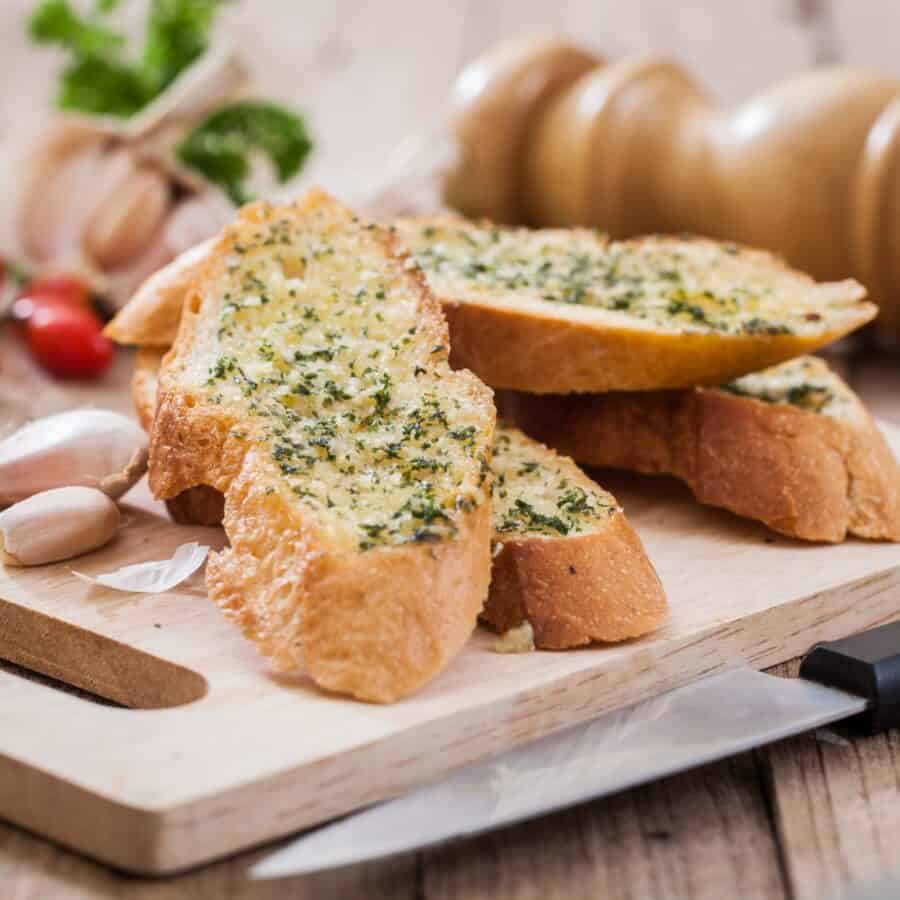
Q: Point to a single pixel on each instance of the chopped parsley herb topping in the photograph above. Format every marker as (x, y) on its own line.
(351, 407)
(537, 492)
(806, 383)
(684, 284)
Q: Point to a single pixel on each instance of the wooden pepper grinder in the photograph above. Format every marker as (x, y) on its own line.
(549, 134)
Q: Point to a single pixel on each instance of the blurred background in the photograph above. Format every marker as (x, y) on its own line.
(366, 74)
(370, 82)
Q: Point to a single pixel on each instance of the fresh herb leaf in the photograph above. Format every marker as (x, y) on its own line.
(102, 87)
(98, 78)
(55, 22)
(221, 147)
(178, 33)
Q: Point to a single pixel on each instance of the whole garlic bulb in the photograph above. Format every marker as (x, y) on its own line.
(96, 207)
(86, 447)
(126, 219)
(56, 525)
(109, 199)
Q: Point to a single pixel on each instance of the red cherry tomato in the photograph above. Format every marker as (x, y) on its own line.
(54, 290)
(67, 341)
(66, 288)
(24, 307)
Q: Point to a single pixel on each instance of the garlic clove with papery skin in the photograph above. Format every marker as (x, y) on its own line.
(56, 525)
(62, 200)
(124, 225)
(193, 220)
(87, 447)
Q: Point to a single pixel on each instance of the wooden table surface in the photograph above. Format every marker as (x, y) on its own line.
(805, 818)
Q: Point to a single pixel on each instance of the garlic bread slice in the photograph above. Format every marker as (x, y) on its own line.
(792, 446)
(565, 558)
(566, 311)
(309, 384)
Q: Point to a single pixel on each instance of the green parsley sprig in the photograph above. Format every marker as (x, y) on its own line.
(221, 147)
(99, 79)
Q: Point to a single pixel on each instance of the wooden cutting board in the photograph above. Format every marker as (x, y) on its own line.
(221, 754)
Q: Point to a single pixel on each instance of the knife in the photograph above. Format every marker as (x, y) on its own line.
(856, 678)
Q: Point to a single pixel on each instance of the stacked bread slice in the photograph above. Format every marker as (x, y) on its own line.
(671, 355)
(791, 446)
(306, 403)
(309, 385)
(565, 559)
(362, 552)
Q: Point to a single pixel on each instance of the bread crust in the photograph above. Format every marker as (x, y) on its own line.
(200, 505)
(151, 316)
(376, 625)
(563, 348)
(576, 590)
(803, 474)
(545, 352)
(515, 349)
(573, 590)
(144, 384)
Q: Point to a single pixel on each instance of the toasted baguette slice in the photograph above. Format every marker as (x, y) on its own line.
(309, 384)
(561, 311)
(792, 446)
(566, 560)
(151, 316)
(200, 505)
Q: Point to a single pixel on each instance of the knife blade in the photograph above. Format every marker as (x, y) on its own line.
(856, 678)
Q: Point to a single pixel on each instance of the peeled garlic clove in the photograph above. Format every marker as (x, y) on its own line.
(88, 447)
(56, 525)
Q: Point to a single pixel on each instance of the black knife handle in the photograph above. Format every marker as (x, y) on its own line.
(865, 664)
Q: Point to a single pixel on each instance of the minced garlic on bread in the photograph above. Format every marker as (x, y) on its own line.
(565, 310)
(566, 560)
(791, 446)
(309, 384)
(806, 383)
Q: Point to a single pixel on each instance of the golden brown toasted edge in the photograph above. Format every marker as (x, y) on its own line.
(201, 505)
(552, 353)
(151, 316)
(144, 384)
(803, 474)
(597, 587)
(784, 466)
(574, 591)
(516, 350)
(874, 482)
(376, 626)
